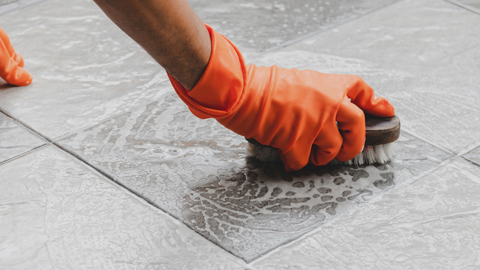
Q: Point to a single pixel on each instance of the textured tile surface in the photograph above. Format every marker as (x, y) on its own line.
(197, 171)
(57, 214)
(84, 68)
(429, 224)
(474, 155)
(435, 45)
(10, 5)
(261, 25)
(473, 5)
(15, 139)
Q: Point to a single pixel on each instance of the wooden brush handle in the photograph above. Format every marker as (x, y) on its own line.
(379, 130)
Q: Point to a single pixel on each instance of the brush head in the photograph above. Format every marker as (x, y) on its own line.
(381, 133)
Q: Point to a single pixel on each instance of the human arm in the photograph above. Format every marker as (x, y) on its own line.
(169, 30)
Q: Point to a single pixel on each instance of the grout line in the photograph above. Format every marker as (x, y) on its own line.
(363, 205)
(130, 110)
(35, 149)
(296, 40)
(136, 195)
(448, 151)
(49, 142)
(100, 172)
(46, 143)
(469, 150)
(76, 131)
(21, 123)
(78, 158)
(459, 154)
(471, 161)
(412, 180)
(467, 7)
(287, 244)
(71, 132)
(351, 210)
(111, 179)
(421, 175)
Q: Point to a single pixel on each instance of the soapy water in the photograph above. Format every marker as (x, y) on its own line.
(262, 198)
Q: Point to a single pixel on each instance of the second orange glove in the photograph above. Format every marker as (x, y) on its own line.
(297, 112)
(11, 63)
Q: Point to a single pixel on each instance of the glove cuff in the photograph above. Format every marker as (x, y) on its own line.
(221, 88)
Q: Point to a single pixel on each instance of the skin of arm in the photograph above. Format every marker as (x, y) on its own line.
(169, 30)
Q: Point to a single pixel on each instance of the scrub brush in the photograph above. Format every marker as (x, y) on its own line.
(381, 133)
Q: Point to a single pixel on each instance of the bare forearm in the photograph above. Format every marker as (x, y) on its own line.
(169, 30)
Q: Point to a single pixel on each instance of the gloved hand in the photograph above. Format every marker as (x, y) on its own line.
(11, 63)
(295, 111)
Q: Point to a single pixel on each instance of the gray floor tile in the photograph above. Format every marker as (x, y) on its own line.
(260, 25)
(473, 5)
(15, 139)
(11, 5)
(84, 68)
(198, 171)
(57, 214)
(474, 155)
(429, 224)
(433, 47)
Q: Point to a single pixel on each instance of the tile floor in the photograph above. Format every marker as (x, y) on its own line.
(472, 5)
(10, 5)
(103, 167)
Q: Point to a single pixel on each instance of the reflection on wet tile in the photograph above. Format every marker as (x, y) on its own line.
(57, 214)
(438, 57)
(15, 139)
(473, 156)
(430, 224)
(198, 171)
(473, 5)
(10, 5)
(261, 25)
(85, 69)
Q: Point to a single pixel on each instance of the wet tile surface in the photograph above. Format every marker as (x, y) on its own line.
(198, 171)
(15, 139)
(57, 214)
(429, 224)
(85, 69)
(436, 89)
(261, 25)
(11, 5)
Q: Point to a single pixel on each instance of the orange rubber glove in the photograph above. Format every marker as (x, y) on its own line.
(294, 111)
(11, 63)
